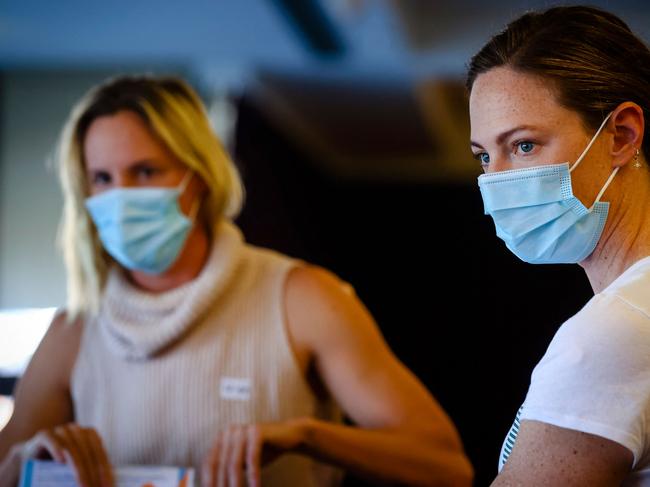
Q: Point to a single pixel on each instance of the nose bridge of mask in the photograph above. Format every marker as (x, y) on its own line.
(503, 190)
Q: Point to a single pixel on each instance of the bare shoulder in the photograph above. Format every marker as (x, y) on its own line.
(62, 327)
(61, 341)
(316, 282)
(353, 359)
(324, 313)
(545, 454)
(319, 302)
(57, 351)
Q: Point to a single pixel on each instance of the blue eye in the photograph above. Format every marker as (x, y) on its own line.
(526, 146)
(484, 157)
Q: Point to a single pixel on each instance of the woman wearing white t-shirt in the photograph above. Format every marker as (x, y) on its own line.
(558, 106)
(182, 344)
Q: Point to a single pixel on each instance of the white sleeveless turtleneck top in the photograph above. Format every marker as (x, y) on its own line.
(158, 375)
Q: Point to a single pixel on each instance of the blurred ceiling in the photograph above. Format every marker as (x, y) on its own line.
(372, 88)
(222, 41)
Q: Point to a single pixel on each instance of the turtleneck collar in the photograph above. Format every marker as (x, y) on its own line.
(137, 324)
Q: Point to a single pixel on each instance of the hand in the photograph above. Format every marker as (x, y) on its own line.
(79, 447)
(240, 451)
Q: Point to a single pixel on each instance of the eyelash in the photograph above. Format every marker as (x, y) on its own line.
(100, 178)
(147, 171)
(515, 147)
(478, 158)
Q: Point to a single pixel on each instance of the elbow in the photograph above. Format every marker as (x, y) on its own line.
(453, 471)
(464, 473)
(449, 465)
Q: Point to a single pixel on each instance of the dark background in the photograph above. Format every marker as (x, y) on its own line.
(463, 313)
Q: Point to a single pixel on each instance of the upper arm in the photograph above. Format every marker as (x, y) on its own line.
(42, 395)
(352, 358)
(573, 419)
(545, 454)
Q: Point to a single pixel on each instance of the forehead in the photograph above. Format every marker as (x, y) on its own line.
(119, 139)
(503, 98)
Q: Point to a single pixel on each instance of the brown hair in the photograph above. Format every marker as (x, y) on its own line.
(127, 93)
(592, 57)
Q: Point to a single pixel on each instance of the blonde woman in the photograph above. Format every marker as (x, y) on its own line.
(181, 344)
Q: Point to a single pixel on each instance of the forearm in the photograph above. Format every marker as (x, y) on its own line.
(390, 456)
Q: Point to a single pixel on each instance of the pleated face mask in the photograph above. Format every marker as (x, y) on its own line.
(142, 228)
(537, 215)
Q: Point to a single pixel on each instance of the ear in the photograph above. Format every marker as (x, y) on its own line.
(627, 124)
(198, 185)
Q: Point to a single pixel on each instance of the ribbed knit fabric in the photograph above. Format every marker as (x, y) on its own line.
(159, 375)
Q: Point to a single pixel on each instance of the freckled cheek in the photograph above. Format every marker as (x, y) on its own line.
(563, 151)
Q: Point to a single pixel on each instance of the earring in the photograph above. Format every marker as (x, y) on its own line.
(636, 164)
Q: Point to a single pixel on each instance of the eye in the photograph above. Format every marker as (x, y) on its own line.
(100, 178)
(483, 158)
(526, 146)
(146, 172)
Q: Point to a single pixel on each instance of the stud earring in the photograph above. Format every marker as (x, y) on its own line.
(637, 164)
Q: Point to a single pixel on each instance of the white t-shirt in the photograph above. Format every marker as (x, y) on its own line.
(595, 375)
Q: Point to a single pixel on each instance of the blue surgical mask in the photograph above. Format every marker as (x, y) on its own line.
(142, 228)
(537, 215)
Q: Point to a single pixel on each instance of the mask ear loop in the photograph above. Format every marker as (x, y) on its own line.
(591, 142)
(194, 210)
(186, 180)
(181, 189)
(611, 176)
(602, 191)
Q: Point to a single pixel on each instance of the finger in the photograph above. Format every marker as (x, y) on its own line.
(222, 478)
(236, 457)
(254, 456)
(85, 446)
(44, 442)
(211, 464)
(80, 476)
(73, 456)
(100, 458)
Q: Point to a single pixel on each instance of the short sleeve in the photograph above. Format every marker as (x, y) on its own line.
(595, 375)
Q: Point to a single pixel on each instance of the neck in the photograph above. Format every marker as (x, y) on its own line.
(626, 238)
(187, 266)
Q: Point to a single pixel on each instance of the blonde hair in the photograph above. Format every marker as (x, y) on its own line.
(176, 115)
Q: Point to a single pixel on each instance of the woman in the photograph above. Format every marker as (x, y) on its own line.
(558, 102)
(183, 345)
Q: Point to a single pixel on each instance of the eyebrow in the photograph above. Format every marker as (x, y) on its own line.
(143, 163)
(501, 137)
(132, 165)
